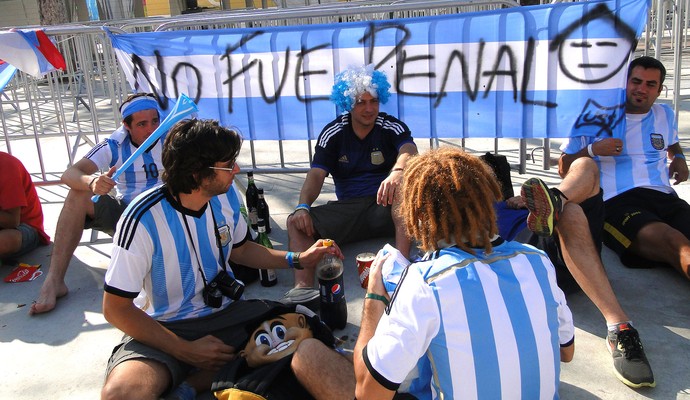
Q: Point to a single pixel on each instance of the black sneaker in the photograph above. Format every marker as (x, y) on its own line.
(544, 206)
(308, 297)
(629, 361)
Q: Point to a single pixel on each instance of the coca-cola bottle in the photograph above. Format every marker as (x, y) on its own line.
(267, 277)
(252, 195)
(262, 211)
(333, 308)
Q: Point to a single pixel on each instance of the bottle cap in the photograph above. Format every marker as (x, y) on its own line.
(328, 242)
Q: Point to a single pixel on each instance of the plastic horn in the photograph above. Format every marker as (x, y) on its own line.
(182, 108)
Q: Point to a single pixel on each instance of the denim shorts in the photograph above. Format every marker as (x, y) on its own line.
(30, 240)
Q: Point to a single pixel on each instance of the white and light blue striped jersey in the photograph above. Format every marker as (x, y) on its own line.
(643, 161)
(484, 326)
(140, 176)
(154, 256)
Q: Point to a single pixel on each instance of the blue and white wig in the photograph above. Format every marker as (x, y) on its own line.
(355, 81)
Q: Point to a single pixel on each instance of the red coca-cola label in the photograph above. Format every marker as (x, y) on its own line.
(24, 273)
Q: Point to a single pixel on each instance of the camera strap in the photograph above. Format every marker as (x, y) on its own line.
(191, 240)
(196, 255)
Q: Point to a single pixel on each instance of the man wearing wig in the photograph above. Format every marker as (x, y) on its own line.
(140, 117)
(365, 152)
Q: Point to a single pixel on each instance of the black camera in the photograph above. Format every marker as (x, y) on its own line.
(229, 286)
(213, 297)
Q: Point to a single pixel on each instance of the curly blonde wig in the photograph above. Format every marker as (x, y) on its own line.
(448, 196)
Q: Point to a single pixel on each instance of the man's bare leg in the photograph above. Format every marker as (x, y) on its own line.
(70, 225)
(10, 241)
(577, 246)
(136, 379)
(325, 373)
(658, 241)
(583, 260)
(584, 263)
(581, 182)
(299, 241)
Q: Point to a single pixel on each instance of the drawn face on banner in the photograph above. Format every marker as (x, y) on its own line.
(594, 60)
(275, 339)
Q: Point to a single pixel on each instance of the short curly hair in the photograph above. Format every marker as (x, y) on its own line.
(191, 147)
(355, 81)
(449, 197)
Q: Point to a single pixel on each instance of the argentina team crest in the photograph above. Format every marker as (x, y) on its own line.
(224, 235)
(657, 141)
(377, 157)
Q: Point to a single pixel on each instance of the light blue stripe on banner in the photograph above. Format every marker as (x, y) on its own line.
(524, 119)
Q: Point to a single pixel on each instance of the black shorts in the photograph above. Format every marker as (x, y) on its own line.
(107, 212)
(593, 208)
(347, 221)
(630, 211)
(227, 325)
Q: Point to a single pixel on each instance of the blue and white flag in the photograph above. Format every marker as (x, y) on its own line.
(534, 71)
(7, 72)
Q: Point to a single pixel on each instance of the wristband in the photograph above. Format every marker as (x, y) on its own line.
(303, 206)
(378, 297)
(295, 261)
(396, 169)
(590, 151)
(679, 155)
(91, 183)
(288, 257)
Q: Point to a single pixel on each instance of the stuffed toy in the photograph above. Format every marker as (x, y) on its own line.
(262, 372)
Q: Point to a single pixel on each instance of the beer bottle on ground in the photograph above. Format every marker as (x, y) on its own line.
(268, 277)
(333, 306)
(252, 195)
(262, 211)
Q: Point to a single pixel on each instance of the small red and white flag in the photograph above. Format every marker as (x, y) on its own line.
(31, 52)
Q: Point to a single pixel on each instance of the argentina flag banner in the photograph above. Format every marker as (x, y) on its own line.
(522, 72)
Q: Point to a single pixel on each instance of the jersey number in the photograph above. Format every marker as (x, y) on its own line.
(151, 170)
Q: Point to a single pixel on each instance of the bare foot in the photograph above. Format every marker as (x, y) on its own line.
(50, 292)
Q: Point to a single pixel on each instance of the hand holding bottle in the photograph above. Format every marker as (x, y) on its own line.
(310, 257)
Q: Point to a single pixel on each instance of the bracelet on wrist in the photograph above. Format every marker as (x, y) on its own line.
(303, 206)
(374, 296)
(679, 155)
(92, 181)
(396, 169)
(289, 258)
(295, 261)
(590, 150)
